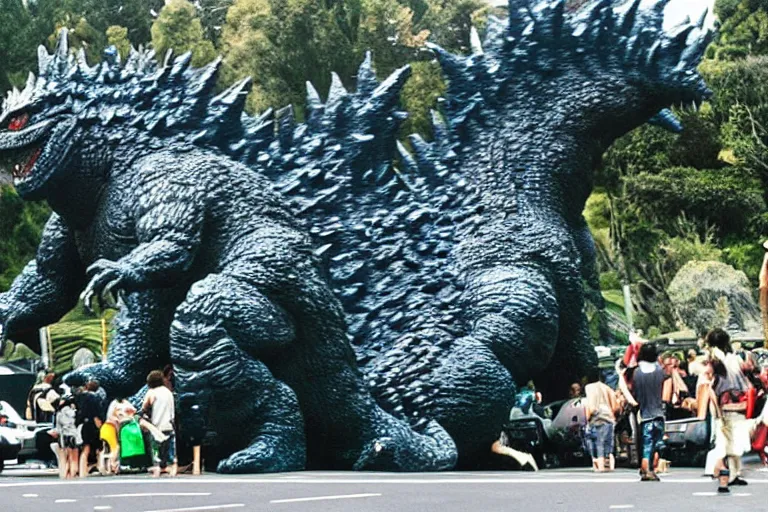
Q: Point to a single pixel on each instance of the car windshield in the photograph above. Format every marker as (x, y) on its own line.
(13, 416)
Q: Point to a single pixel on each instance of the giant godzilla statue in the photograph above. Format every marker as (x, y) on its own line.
(216, 274)
(464, 268)
(460, 270)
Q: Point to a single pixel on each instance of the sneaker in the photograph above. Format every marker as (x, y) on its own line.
(738, 481)
(649, 477)
(723, 490)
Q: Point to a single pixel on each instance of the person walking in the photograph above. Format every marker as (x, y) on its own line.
(67, 433)
(601, 409)
(159, 404)
(730, 388)
(648, 384)
(90, 419)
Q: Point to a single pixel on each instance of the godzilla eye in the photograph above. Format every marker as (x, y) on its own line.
(18, 122)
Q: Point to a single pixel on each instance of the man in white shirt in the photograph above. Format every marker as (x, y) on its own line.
(160, 405)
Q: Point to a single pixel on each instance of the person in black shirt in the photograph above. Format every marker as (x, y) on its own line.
(90, 416)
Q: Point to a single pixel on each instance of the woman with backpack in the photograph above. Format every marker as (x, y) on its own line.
(69, 438)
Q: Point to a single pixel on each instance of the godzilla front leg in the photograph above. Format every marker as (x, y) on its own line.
(253, 419)
(169, 223)
(139, 344)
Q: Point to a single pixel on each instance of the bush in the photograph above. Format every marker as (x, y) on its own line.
(610, 280)
(745, 256)
(726, 198)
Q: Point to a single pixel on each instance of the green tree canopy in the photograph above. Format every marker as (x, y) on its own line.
(178, 28)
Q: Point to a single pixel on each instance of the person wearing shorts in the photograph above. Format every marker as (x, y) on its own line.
(159, 404)
(601, 409)
(648, 384)
(68, 436)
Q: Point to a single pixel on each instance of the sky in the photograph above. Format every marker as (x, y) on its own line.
(677, 10)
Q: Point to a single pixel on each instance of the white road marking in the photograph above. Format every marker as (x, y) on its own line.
(431, 479)
(621, 506)
(742, 494)
(65, 500)
(705, 494)
(209, 507)
(320, 498)
(147, 494)
(29, 495)
(102, 507)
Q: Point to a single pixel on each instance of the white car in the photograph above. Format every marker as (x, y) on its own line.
(23, 431)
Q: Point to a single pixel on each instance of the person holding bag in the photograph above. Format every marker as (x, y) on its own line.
(733, 436)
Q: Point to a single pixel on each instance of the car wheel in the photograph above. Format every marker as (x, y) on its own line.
(2, 464)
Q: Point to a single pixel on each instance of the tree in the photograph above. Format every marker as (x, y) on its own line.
(81, 35)
(18, 39)
(282, 44)
(387, 29)
(178, 28)
(420, 95)
(20, 230)
(213, 14)
(743, 30)
(117, 36)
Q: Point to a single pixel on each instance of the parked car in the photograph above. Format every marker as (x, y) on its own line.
(687, 437)
(527, 433)
(22, 431)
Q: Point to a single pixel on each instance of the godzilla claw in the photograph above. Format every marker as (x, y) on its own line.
(106, 277)
(268, 454)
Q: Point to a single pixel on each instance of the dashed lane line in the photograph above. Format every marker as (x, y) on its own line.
(151, 494)
(322, 498)
(207, 507)
(618, 507)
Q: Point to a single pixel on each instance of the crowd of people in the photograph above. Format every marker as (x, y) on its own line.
(91, 434)
(729, 386)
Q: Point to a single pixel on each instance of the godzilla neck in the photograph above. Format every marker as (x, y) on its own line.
(76, 195)
(530, 167)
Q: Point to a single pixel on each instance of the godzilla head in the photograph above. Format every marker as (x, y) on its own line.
(38, 125)
(603, 68)
(73, 119)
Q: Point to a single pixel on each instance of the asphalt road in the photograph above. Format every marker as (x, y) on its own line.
(572, 490)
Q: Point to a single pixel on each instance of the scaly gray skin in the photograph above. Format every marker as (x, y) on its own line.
(215, 274)
(463, 271)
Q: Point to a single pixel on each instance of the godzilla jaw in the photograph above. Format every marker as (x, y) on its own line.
(21, 146)
(30, 155)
